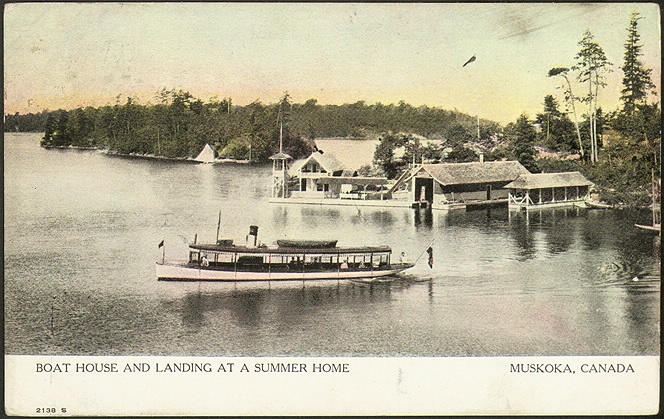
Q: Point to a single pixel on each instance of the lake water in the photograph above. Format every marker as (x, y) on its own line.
(81, 237)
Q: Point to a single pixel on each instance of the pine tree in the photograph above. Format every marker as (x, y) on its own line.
(557, 129)
(636, 79)
(521, 136)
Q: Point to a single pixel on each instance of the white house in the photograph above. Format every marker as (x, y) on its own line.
(321, 175)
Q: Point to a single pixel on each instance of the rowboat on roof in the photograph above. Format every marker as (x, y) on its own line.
(289, 260)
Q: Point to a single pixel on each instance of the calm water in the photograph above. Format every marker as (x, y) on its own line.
(81, 236)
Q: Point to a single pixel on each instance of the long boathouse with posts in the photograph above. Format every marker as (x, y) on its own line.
(544, 190)
(448, 186)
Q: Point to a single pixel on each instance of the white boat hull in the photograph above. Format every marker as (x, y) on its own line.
(166, 271)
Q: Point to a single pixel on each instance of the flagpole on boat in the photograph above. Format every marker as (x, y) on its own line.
(425, 249)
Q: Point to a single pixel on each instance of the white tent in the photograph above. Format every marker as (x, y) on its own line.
(207, 155)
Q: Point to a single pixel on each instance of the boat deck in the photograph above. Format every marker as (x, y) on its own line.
(392, 203)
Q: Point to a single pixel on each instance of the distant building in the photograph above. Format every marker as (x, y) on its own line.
(445, 185)
(548, 190)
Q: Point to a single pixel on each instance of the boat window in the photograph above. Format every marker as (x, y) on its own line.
(224, 257)
(249, 260)
(194, 256)
(313, 259)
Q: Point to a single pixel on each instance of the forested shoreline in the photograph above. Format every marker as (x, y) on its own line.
(180, 125)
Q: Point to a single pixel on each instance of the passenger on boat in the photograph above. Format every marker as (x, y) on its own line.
(204, 262)
(403, 258)
(344, 265)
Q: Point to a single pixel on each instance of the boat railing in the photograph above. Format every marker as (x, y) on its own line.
(292, 266)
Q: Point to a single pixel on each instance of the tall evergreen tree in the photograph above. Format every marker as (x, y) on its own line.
(557, 129)
(521, 136)
(636, 79)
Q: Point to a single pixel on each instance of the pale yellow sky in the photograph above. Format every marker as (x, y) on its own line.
(65, 55)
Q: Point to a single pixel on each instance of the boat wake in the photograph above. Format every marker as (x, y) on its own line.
(619, 274)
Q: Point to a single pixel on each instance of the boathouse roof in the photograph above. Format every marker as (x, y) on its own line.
(549, 180)
(473, 172)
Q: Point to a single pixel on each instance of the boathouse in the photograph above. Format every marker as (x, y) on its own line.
(455, 185)
(548, 190)
(322, 176)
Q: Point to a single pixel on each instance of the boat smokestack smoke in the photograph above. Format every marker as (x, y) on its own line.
(252, 239)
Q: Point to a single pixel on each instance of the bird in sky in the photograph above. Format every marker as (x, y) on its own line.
(470, 60)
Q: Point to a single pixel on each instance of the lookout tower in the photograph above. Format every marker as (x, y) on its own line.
(280, 169)
(280, 175)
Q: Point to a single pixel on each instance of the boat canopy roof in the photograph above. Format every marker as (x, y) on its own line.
(289, 250)
(310, 244)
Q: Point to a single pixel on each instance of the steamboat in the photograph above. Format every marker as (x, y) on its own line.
(288, 260)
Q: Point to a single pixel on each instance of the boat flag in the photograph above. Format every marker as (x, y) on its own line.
(430, 252)
(161, 244)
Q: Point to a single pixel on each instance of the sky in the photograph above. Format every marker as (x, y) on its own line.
(69, 55)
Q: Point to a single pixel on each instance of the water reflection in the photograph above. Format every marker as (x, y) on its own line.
(523, 235)
(423, 217)
(292, 303)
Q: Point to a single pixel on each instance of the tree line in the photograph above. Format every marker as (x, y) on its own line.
(180, 125)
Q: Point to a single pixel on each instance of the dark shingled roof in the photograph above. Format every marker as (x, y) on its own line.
(474, 172)
(549, 180)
